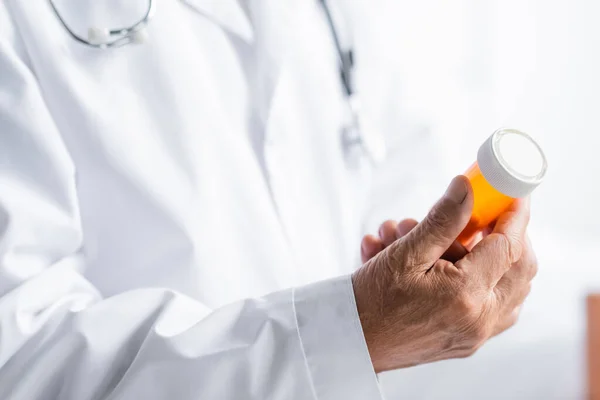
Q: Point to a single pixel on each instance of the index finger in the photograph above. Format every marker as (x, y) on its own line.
(491, 258)
(513, 225)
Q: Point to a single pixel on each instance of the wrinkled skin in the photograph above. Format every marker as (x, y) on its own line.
(423, 297)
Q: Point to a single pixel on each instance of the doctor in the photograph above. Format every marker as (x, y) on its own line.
(180, 219)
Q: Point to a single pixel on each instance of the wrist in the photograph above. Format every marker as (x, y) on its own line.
(364, 295)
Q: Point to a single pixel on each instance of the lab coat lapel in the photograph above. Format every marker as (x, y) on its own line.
(272, 24)
(227, 13)
(269, 28)
(283, 57)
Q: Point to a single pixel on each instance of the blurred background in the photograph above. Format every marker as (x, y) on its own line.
(448, 73)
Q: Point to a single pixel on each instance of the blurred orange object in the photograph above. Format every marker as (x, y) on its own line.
(489, 203)
(593, 346)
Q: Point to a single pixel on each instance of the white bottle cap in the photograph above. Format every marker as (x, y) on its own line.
(512, 162)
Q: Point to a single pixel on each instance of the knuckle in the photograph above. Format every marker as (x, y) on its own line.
(397, 255)
(508, 293)
(398, 264)
(436, 224)
(512, 319)
(409, 254)
(509, 245)
(462, 278)
(388, 266)
(526, 269)
(478, 335)
(515, 247)
(439, 217)
(533, 268)
(498, 242)
(468, 308)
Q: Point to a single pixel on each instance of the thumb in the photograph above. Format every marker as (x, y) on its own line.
(442, 225)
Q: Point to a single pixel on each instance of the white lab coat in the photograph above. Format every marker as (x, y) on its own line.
(178, 219)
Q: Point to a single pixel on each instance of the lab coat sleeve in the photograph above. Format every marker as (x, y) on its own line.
(59, 339)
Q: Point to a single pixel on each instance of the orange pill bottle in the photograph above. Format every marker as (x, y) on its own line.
(510, 165)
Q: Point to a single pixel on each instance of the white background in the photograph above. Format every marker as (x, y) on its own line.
(439, 78)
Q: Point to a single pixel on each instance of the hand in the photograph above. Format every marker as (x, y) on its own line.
(416, 307)
(390, 231)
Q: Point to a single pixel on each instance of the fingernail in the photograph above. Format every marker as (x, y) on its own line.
(457, 191)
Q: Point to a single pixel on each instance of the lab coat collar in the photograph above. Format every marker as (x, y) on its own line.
(227, 13)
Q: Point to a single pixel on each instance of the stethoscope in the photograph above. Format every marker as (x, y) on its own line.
(103, 38)
(351, 138)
